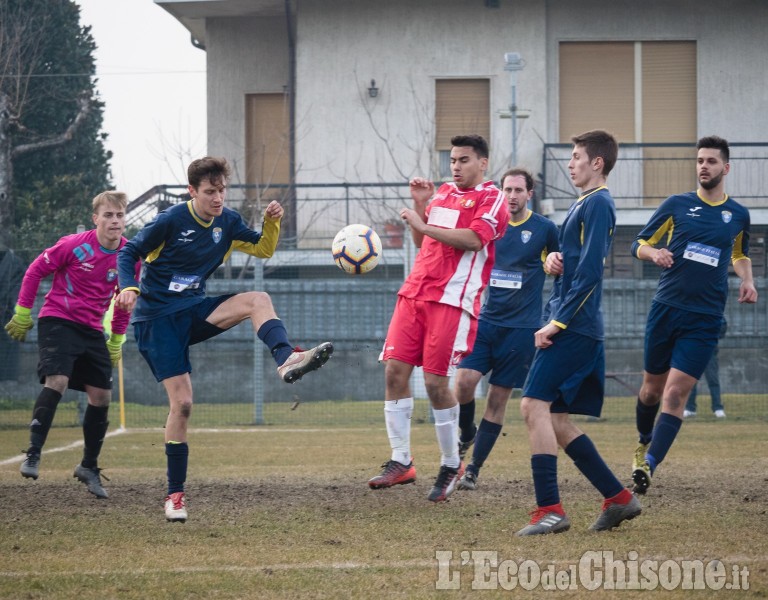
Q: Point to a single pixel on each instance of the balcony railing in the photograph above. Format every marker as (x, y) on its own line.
(646, 174)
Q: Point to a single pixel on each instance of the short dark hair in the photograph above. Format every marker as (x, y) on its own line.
(716, 142)
(474, 141)
(599, 143)
(212, 168)
(514, 171)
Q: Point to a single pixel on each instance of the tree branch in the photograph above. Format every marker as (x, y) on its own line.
(85, 107)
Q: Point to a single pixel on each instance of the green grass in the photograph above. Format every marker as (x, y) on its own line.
(348, 413)
(285, 512)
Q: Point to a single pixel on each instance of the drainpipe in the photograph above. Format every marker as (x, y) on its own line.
(291, 212)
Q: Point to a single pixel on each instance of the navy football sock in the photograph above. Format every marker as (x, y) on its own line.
(486, 437)
(467, 428)
(663, 436)
(544, 467)
(645, 417)
(274, 335)
(588, 460)
(178, 456)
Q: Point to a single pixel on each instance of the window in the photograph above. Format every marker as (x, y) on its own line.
(462, 106)
(642, 92)
(266, 139)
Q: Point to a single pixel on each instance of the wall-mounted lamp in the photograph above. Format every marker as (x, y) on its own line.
(373, 91)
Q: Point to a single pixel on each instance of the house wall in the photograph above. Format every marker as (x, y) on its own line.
(730, 40)
(245, 56)
(345, 134)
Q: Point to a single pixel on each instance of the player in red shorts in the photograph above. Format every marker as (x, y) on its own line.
(435, 318)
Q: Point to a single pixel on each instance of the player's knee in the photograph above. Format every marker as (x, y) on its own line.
(100, 398)
(527, 409)
(259, 300)
(182, 407)
(186, 409)
(675, 397)
(395, 377)
(58, 383)
(650, 396)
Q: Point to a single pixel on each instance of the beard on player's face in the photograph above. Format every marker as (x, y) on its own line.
(712, 182)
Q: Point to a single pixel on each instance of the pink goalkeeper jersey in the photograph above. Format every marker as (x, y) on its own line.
(84, 282)
(449, 275)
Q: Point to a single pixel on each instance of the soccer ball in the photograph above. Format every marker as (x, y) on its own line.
(356, 249)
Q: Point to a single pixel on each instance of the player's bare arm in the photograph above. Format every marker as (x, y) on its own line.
(543, 337)
(553, 264)
(421, 191)
(462, 239)
(274, 210)
(126, 300)
(661, 257)
(747, 290)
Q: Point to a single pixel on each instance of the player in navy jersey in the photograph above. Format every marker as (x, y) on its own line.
(509, 318)
(568, 371)
(698, 233)
(181, 248)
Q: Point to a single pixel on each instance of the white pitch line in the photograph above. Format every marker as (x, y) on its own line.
(334, 566)
(79, 443)
(72, 446)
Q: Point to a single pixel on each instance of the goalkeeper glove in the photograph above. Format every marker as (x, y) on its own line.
(20, 323)
(115, 347)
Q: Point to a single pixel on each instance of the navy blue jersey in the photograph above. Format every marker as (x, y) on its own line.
(703, 239)
(585, 239)
(517, 277)
(180, 251)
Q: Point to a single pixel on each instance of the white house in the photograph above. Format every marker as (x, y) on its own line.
(331, 91)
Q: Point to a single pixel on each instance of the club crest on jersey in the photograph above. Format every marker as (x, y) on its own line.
(467, 202)
(727, 216)
(216, 234)
(525, 236)
(111, 275)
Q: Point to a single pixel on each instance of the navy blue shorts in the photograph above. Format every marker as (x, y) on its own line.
(164, 342)
(679, 339)
(570, 374)
(507, 352)
(74, 350)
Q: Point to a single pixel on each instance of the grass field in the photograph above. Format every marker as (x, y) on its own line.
(285, 512)
(16, 414)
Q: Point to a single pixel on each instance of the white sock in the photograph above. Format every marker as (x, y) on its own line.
(397, 416)
(447, 429)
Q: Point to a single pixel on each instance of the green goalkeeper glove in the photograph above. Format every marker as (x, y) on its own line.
(115, 347)
(20, 323)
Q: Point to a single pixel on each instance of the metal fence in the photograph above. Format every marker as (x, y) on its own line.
(234, 376)
(236, 383)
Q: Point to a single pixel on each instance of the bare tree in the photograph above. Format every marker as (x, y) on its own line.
(20, 53)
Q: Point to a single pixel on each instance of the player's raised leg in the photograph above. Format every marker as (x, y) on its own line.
(292, 363)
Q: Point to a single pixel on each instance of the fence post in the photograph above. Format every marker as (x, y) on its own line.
(258, 353)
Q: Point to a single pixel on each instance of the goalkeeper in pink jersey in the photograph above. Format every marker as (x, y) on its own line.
(70, 335)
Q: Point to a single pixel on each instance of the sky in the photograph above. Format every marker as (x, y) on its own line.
(152, 81)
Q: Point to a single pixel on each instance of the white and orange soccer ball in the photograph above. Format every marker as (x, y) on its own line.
(356, 249)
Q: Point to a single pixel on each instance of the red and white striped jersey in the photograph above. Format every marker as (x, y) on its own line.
(448, 275)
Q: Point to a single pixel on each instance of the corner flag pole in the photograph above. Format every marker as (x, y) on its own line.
(121, 392)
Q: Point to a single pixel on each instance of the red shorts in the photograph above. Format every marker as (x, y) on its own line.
(431, 335)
